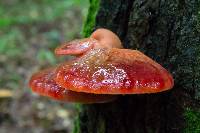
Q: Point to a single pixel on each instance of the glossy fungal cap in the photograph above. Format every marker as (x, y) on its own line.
(44, 84)
(76, 47)
(101, 38)
(114, 71)
(107, 38)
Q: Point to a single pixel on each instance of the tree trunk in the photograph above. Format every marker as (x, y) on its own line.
(168, 32)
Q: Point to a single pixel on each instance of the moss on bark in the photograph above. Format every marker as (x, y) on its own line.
(91, 18)
(192, 117)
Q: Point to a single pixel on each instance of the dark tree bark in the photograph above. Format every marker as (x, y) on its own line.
(168, 32)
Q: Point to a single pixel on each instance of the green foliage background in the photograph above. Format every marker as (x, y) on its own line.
(29, 32)
(35, 26)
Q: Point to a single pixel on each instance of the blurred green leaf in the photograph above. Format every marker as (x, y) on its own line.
(8, 43)
(46, 56)
(33, 12)
(53, 36)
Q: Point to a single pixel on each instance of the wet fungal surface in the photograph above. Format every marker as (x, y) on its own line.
(44, 84)
(101, 71)
(114, 71)
(76, 47)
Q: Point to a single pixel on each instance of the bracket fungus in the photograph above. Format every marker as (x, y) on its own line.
(101, 71)
(44, 84)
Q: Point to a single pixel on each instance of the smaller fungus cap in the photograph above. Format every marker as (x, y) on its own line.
(76, 47)
(106, 38)
(101, 38)
(43, 83)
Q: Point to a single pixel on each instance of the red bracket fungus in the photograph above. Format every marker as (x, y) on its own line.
(101, 71)
(44, 84)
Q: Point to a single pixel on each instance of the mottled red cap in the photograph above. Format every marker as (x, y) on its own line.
(114, 71)
(43, 83)
(100, 69)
